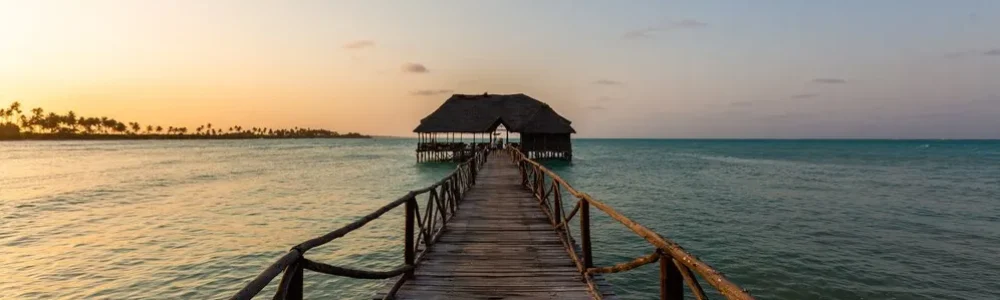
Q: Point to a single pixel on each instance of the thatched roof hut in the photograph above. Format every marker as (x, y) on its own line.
(544, 133)
(483, 113)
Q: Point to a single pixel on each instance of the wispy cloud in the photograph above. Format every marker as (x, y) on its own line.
(741, 104)
(596, 107)
(829, 81)
(650, 31)
(604, 99)
(414, 68)
(608, 82)
(361, 44)
(430, 92)
(970, 53)
(804, 96)
(959, 54)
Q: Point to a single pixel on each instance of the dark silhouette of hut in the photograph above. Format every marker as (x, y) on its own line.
(544, 133)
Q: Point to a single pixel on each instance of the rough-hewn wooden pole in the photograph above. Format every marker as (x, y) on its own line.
(671, 281)
(408, 254)
(557, 212)
(290, 286)
(295, 290)
(588, 259)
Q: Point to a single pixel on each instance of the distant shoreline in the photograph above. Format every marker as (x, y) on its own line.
(119, 137)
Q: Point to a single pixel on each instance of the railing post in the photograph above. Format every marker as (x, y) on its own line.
(295, 290)
(557, 212)
(588, 260)
(290, 286)
(472, 168)
(671, 281)
(408, 252)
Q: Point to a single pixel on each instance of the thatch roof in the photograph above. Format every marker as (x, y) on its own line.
(483, 113)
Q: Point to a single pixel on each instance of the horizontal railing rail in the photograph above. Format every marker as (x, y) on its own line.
(677, 266)
(422, 230)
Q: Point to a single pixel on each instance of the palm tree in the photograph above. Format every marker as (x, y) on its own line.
(86, 123)
(159, 129)
(26, 123)
(37, 116)
(135, 127)
(70, 120)
(107, 124)
(120, 127)
(149, 129)
(51, 122)
(8, 114)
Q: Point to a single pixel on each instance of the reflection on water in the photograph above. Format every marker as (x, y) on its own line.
(786, 219)
(168, 219)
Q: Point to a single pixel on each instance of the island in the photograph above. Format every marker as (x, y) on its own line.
(15, 125)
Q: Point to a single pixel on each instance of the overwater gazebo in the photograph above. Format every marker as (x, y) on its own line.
(543, 132)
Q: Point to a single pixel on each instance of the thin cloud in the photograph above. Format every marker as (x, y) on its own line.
(741, 104)
(650, 31)
(361, 44)
(959, 54)
(993, 52)
(829, 81)
(689, 23)
(644, 33)
(608, 82)
(430, 92)
(596, 107)
(414, 68)
(603, 99)
(804, 96)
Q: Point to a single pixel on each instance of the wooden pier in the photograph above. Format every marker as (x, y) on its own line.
(499, 245)
(498, 228)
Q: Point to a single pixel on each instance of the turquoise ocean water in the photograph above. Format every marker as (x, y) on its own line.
(811, 219)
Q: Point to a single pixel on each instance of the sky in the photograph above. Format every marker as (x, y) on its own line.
(659, 69)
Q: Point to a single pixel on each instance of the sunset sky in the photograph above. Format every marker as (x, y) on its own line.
(706, 69)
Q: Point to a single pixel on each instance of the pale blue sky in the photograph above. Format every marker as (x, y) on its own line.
(744, 69)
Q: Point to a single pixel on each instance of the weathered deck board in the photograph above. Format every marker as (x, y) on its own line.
(499, 245)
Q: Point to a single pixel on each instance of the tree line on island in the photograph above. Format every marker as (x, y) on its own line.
(38, 124)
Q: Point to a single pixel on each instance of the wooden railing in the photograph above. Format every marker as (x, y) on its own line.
(442, 197)
(676, 264)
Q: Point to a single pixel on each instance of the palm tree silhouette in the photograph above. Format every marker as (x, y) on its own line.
(70, 120)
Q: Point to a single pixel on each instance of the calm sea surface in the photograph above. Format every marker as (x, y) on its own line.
(785, 219)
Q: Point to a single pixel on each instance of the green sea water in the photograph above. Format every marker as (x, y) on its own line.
(786, 219)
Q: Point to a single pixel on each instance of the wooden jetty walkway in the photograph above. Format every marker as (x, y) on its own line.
(499, 245)
(498, 228)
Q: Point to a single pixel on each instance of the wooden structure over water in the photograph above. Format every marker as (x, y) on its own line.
(499, 227)
(543, 132)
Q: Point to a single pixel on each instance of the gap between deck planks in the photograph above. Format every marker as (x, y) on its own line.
(499, 245)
